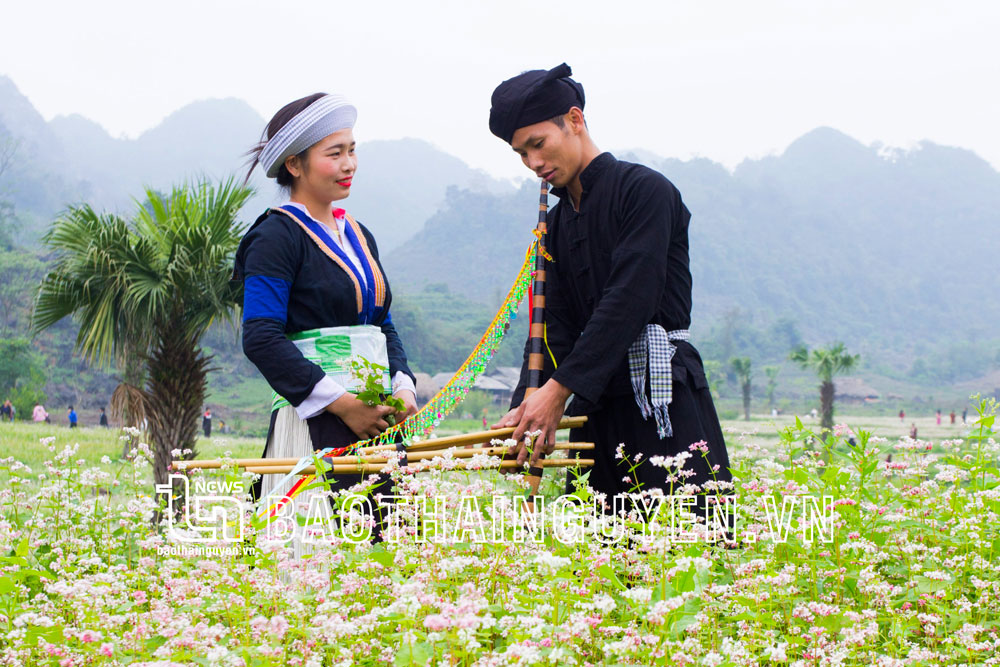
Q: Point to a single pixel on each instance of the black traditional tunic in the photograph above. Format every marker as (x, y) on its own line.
(620, 263)
(290, 286)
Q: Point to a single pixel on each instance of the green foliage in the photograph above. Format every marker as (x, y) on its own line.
(20, 272)
(147, 289)
(166, 271)
(475, 402)
(372, 391)
(741, 366)
(772, 382)
(27, 395)
(827, 362)
(19, 363)
(440, 328)
(713, 375)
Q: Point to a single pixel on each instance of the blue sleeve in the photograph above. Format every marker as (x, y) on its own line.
(265, 297)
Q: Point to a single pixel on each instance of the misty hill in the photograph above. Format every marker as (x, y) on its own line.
(892, 251)
(71, 159)
(885, 250)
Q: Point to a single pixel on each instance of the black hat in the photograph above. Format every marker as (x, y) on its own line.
(531, 97)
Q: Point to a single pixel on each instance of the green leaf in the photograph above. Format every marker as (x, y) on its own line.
(52, 635)
(381, 556)
(154, 643)
(928, 585)
(414, 654)
(609, 575)
(22, 547)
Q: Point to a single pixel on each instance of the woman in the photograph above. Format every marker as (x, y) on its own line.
(315, 292)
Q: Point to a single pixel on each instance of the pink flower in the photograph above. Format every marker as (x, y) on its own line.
(436, 623)
(88, 636)
(700, 446)
(278, 626)
(107, 649)
(139, 596)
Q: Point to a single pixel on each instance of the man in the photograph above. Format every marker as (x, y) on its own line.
(618, 289)
(71, 415)
(206, 423)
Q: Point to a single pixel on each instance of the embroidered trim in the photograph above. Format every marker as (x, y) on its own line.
(376, 271)
(329, 253)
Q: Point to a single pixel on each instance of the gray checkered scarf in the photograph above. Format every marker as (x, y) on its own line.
(653, 349)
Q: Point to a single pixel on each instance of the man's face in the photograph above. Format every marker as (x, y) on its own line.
(552, 152)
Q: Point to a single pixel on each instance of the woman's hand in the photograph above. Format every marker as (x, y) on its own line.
(366, 421)
(409, 402)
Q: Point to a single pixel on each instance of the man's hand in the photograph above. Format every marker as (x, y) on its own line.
(539, 412)
(511, 418)
(409, 403)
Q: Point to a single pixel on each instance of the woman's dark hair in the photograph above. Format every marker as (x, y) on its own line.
(280, 119)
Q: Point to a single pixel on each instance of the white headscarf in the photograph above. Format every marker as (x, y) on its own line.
(320, 119)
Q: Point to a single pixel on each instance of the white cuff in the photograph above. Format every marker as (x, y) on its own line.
(323, 394)
(402, 381)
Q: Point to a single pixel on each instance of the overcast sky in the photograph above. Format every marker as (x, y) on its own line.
(723, 80)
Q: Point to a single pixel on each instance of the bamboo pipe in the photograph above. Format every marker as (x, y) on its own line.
(424, 445)
(472, 438)
(536, 331)
(364, 468)
(377, 457)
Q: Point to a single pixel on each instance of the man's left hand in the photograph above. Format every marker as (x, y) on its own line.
(542, 412)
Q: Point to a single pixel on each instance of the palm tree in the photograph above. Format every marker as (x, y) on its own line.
(741, 366)
(772, 382)
(147, 290)
(827, 362)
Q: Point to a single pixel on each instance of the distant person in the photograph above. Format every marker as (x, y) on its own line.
(104, 418)
(938, 417)
(223, 427)
(71, 415)
(965, 413)
(913, 431)
(206, 423)
(39, 414)
(5, 411)
(485, 420)
(902, 415)
(13, 411)
(952, 415)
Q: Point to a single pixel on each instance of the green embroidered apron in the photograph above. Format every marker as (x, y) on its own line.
(331, 348)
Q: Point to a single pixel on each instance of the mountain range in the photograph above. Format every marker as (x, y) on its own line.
(893, 251)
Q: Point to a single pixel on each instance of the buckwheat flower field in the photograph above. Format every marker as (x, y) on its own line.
(864, 552)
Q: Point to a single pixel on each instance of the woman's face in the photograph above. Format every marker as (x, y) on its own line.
(327, 170)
